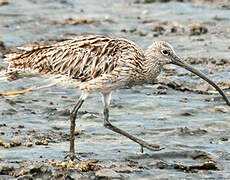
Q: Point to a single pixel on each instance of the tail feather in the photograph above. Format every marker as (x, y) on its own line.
(26, 48)
(9, 57)
(32, 59)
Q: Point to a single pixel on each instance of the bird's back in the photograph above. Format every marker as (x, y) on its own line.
(83, 58)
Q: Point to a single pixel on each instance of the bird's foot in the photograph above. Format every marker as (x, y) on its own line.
(72, 156)
(156, 147)
(152, 147)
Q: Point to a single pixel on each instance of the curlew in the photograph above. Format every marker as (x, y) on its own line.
(96, 63)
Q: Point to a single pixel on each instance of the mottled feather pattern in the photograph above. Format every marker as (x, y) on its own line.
(84, 58)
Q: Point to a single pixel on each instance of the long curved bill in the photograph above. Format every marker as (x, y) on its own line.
(181, 63)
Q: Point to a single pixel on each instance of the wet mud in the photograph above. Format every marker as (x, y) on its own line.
(181, 112)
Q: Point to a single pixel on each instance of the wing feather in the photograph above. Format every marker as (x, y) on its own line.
(83, 58)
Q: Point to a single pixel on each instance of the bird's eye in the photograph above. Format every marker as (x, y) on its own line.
(165, 52)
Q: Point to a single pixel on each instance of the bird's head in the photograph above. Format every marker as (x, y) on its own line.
(163, 53)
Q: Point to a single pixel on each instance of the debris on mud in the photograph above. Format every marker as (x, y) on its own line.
(179, 86)
(6, 170)
(222, 109)
(201, 161)
(159, 29)
(4, 144)
(72, 21)
(209, 165)
(41, 142)
(188, 132)
(84, 166)
(15, 143)
(50, 168)
(159, 164)
(80, 21)
(177, 28)
(197, 29)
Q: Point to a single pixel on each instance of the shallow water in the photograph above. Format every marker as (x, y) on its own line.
(181, 122)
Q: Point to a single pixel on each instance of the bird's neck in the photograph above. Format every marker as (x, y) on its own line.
(152, 68)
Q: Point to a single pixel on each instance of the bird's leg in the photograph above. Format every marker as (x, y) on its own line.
(108, 125)
(73, 116)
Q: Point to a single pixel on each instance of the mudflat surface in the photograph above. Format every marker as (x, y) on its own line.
(182, 113)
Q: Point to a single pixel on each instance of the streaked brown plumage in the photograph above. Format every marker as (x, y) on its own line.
(85, 59)
(96, 63)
